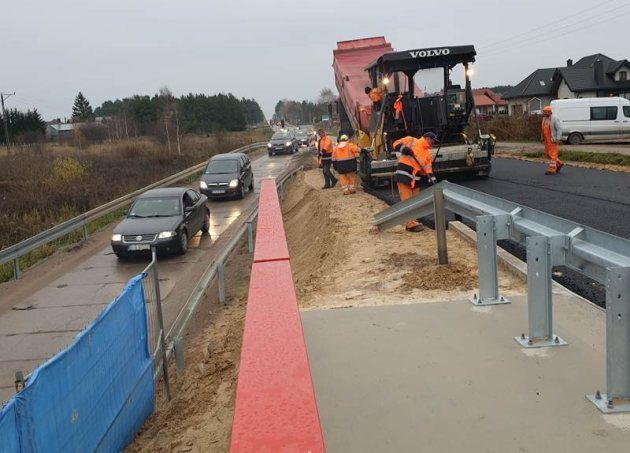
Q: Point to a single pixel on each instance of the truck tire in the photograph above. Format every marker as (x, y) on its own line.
(575, 139)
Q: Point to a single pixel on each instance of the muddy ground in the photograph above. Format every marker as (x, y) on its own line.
(339, 259)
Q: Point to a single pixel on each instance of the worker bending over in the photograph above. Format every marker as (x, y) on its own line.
(551, 134)
(415, 160)
(324, 152)
(344, 159)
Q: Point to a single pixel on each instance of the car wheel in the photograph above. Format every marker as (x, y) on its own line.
(122, 256)
(270, 154)
(183, 242)
(241, 192)
(251, 185)
(575, 139)
(205, 228)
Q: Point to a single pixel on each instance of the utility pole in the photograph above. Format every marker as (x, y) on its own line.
(5, 120)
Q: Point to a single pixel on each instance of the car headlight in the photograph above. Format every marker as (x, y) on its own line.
(166, 234)
(268, 145)
(288, 144)
(234, 183)
(116, 237)
(203, 185)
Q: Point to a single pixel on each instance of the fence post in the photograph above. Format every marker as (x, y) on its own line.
(439, 213)
(250, 237)
(617, 398)
(85, 232)
(16, 268)
(158, 306)
(487, 263)
(539, 300)
(220, 281)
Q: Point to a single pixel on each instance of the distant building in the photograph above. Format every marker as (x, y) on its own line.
(591, 76)
(487, 102)
(60, 131)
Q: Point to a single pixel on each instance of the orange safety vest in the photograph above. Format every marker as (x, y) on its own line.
(325, 148)
(398, 106)
(546, 131)
(344, 157)
(376, 94)
(409, 167)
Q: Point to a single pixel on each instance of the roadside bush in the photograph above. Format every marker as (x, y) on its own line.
(520, 128)
(66, 170)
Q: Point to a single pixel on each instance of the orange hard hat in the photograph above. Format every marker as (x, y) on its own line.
(547, 109)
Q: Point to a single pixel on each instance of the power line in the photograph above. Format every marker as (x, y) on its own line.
(540, 39)
(553, 33)
(5, 120)
(553, 23)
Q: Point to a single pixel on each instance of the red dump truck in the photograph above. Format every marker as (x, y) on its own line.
(373, 63)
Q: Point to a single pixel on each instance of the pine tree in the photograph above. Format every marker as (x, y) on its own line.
(81, 110)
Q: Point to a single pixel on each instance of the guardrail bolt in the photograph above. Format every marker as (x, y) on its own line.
(556, 340)
(598, 395)
(530, 342)
(610, 404)
(522, 336)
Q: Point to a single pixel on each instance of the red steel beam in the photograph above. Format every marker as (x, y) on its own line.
(271, 242)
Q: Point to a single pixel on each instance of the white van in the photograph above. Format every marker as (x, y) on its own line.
(593, 118)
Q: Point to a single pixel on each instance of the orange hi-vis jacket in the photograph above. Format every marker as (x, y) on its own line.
(410, 167)
(344, 157)
(325, 147)
(376, 94)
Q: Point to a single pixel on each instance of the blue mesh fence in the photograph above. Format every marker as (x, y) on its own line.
(94, 395)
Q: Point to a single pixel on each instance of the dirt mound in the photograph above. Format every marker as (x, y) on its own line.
(340, 259)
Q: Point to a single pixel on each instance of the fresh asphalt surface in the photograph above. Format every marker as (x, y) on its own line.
(596, 198)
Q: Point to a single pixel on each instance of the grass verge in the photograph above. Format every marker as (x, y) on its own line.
(590, 157)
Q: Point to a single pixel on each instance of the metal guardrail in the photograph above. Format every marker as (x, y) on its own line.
(14, 252)
(550, 241)
(174, 336)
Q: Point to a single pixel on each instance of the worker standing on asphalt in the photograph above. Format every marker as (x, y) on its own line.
(415, 160)
(344, 161)
(324, 150)
(551, 134)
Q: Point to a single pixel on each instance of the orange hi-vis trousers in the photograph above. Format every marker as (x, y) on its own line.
(405, 193)
(347, 181)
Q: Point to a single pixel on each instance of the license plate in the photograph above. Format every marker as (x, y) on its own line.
(218, 191)
(136, 247)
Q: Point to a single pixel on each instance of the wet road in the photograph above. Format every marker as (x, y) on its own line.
(45, 317)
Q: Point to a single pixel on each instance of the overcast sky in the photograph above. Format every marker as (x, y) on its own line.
(274, 49)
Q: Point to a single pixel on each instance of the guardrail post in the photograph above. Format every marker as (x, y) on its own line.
(617, 398)
(539, 300)
(221, 281)
(439, 213)
(178, 350)
(158, 306)
(85, 232)
(487, 263)
(16, 268)
(281, 191)
(250, 237)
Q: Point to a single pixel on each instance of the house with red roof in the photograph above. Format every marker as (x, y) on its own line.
(487, 102)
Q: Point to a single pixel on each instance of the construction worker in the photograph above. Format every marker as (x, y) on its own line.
(324, 152)
(344, 161)
(375, 94)
(415, 160)
(551, 134)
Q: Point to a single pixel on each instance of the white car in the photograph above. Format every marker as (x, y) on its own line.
(593, 118)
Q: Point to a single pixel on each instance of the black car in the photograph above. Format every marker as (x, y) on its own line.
(227, 175)
(302, 137)
(162, 218)
(282, 142)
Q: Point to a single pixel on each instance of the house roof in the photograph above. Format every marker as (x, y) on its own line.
(582, 78)
(485, 97)
(62, 126)
(589, 60)
(538, 83)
